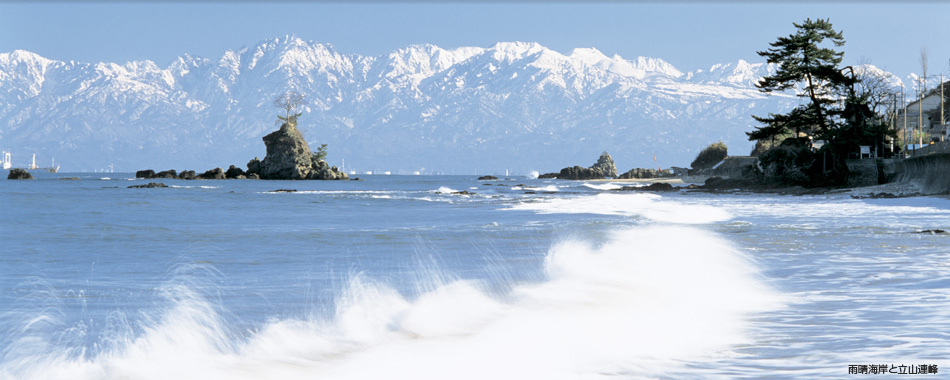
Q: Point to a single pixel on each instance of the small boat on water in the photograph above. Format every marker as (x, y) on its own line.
(5, 160)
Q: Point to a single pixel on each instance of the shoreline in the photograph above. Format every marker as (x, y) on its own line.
(684, 180)
(887, 190)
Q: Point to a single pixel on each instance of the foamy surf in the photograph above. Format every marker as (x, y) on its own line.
(603, 186)
(636, 304)
(650, 206)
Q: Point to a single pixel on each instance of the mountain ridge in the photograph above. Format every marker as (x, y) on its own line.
(515, 105)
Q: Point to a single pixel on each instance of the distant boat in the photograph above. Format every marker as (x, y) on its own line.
(52, 168)
(7, 162)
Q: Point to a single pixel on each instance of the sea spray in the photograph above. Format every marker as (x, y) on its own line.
(636, 304)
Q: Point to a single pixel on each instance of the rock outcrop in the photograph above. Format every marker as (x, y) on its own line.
(659, 186)
(323, 171)
(216, 173)
(150, 185)
(254, 167)
(187, 174)
(234, 172)
(289, 157)
(641, 173)
(580, 173)
(603, 168)
(19, 174)
(605, 165)
(151, 174)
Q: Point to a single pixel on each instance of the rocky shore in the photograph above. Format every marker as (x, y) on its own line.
(868, 178)
(288, 157)
(603, 168)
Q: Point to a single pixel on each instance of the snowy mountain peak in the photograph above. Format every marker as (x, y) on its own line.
(514, 51)
(739, 73)
(23, 57)
(590, 56)
(657, 66)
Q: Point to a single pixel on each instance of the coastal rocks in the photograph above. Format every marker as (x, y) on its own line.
(320, 170)
(723, 184)
(170, 174)
(288, 156)
(640, 173)
(216, 173)
(463, 192)
(187, 174)
(603, 168)
(151, 174)
(881, 195)
(234, 172)
(254, 166)
(167, 174)
(487, 178)
(19, 174)
(736, 167)
(150, 185)
(605, 165)
(580, 173)
(658, 186)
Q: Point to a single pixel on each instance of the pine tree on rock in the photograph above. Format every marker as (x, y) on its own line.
(803, 60)
(289, 102)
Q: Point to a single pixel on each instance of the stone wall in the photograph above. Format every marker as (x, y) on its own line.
(863, 172)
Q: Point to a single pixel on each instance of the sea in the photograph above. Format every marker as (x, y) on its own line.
(450, 277)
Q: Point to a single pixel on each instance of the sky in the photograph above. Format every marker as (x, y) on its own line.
(690, 35)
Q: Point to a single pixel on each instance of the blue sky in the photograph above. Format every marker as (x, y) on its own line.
(691, 35)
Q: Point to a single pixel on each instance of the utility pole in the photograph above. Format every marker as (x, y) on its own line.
(904, 110)
(920, 118)
(943, 122)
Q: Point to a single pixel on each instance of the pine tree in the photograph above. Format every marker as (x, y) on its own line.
(802, 60)
(289, 102)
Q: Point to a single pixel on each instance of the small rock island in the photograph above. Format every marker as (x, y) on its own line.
(288, 156)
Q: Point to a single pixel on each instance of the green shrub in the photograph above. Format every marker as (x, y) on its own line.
(710, 156)
(320, 154)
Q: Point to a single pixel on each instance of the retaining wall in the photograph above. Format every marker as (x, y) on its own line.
(930, 172)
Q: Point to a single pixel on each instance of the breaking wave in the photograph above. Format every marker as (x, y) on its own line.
(636, 304)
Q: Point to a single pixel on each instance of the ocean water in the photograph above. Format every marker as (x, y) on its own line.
(396, 277)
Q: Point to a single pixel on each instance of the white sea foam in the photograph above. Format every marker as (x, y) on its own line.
(650, 206)
(603, 186)
(636, 304)
(195, 187)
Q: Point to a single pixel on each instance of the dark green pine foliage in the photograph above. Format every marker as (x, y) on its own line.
(802, 59)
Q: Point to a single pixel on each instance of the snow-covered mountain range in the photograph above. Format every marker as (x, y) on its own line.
(512, 106)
